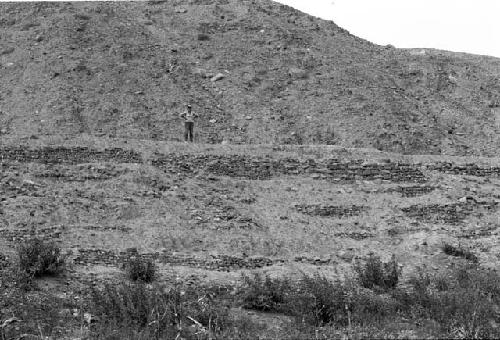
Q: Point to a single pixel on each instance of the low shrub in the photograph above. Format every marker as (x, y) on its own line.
(37, 311)
(203, 37)
(319, 301)
(464, 302)
(459, 251)
(316, 300)
(157, 311)
(81, 16)
(4, 261)
(265, 293)
(140, 269)
(376, 274)
(38, 258)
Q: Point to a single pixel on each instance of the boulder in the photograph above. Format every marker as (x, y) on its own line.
(297, 73)
(8, 50)
(217, 77)
(200, 72)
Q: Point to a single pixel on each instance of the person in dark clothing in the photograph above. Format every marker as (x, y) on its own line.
(189, 117)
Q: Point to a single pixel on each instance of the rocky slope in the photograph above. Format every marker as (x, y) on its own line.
(257, 71)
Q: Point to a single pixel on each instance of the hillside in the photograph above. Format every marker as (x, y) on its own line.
(126, 69)
(283, 220)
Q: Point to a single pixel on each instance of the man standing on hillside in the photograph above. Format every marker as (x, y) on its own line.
(189, 117)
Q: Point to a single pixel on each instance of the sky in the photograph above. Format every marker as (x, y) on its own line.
(470, 26)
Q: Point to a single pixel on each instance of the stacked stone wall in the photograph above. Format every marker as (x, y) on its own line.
(470, 169)
(68, 155)
(331, 210)
(453, 213)
(266, 168)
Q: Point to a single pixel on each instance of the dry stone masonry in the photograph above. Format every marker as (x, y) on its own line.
(25, 233)
(80, 174)
(414, 191)
(218, 262)
(404, 191)
(359, 170)
(469, 169)
(68, 155)
(12, 186)
(453, 213)
(331, 210)
(214, 262)
(221, 165)
(261, 168)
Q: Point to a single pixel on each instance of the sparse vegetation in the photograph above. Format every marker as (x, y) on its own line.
(33, 312)
(459, 251)
(320, 301)
(38, 257)
(203, 37)
(462, 303)
(140, 269)
(81, 16)
(265, 293)
(4, 262)
(158, 312)
(376, 274)
(315, 300)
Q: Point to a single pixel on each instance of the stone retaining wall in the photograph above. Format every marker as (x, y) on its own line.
(331, 210)
(80, 174)
(414, 191)
(453, 213)
(359, 170)
(26, 233)
(260, 168)
(250, 167)
(470, 169)
(68, 155)
(215, 262)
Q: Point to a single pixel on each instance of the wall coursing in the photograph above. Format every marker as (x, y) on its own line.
(331, 210)
(215, 262)
(68, 155)
(470, 169)
(414, 191)
(266, 168)
(453, 213)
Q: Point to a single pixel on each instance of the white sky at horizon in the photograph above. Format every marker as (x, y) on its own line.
(454, 25)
